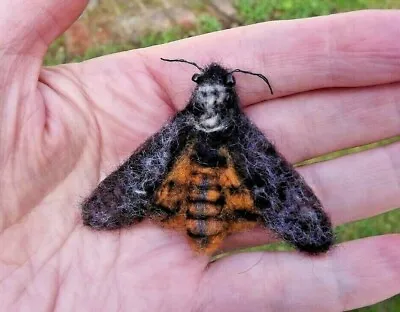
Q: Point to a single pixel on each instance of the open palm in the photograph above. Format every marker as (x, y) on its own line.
(337, 84)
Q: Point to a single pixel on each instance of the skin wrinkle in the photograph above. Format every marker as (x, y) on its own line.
(53, 303)
(110, 117)
(342, 299)
(46, 163)
(12, 113)
(124, 99)
(145, 88)
(112, 274)
(116, 258)
(81, 111)
(33, 275)
(175, 262)
(392, 161)
(23, 290)
(332, 276)
(396, 103)
(100, 112)
(386, 257)
(23, 121)
(204, 294)
(391, 257)
(116, 271)
(328, 51)
(96, 128)
(49, 191)
(63, 274)
(36, 271)
(165, 96)
(20, 52)
(32, 203)
(281, 287)
(89, 278)
(336, 278)
(25, 249)
(278, 304)
(310, 125)
(49, 16)
(273, 287)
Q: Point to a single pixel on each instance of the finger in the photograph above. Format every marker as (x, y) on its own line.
(339, 281)
(348, 50)
(357, 186)
(304, 125)
(350, 188)
(28, 27)
(311, 124)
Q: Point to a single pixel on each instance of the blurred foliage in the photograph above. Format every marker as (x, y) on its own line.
(249, 12)
(253, 11)
(56, 53)
(207, 23)
(155, 38)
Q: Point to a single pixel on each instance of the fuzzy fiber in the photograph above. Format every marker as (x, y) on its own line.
(210, 172)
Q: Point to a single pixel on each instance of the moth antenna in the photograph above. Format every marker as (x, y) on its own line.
(182, 61)
(254, 74)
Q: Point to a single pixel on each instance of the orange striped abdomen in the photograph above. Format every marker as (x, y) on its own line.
(205, 202)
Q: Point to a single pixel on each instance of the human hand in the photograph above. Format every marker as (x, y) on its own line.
(336, 81)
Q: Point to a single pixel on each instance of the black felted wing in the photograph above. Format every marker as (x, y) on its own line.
(287, 204)
(125, 196)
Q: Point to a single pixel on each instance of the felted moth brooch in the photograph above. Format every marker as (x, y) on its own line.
(208, 173)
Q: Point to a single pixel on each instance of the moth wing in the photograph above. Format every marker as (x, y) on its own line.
(125, 196)
(286, 203)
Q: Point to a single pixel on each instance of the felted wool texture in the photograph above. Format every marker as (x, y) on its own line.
(124, 196)
(210, 172)
(207, 201)
(287, 204)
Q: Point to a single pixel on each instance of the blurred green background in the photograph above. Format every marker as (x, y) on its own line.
(109, 26)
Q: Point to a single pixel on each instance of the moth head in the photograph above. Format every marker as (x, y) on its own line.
(215, 74)
(214, 101)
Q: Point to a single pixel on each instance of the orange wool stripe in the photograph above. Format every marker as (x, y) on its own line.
(206, 227)
(210, 210)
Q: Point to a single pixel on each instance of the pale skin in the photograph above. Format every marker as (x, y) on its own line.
(63, 128)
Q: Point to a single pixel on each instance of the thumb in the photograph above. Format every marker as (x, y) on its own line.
(27, 27)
